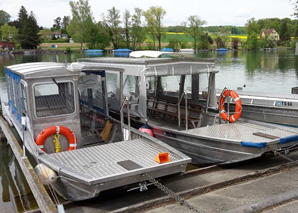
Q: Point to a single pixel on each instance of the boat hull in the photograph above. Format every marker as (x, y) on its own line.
(207, 151)
(75, 191)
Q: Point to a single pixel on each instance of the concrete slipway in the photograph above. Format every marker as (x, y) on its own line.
(266, 184)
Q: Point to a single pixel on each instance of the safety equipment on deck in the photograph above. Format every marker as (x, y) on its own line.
(238, 105)
(56, 130)
(146, 129)
(162, 157)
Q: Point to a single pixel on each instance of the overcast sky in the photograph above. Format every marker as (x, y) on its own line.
(215, 12)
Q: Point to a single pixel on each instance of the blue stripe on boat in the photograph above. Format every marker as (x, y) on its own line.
(252, 144)
(288, 139)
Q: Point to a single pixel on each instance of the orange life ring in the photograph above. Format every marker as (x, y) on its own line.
(238, 105)
(41, 138)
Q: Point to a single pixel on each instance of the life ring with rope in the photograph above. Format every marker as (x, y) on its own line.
(238, 105)
(56, 130)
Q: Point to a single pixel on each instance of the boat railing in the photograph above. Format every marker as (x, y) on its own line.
(184, 94)
(125, 101)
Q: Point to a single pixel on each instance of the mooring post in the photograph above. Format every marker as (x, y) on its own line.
(42, 197)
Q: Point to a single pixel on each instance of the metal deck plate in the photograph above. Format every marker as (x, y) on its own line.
(102, 161)
(243, 132)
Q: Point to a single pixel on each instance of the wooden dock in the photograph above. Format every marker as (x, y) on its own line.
(40, 193)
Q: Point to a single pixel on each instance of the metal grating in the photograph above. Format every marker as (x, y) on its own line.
(101, 161)
(243, 132)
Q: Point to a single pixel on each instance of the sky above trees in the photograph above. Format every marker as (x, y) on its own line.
(215, 12)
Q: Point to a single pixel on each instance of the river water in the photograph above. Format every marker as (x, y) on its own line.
(270, 72)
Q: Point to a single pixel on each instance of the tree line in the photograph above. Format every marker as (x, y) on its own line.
(130, 30)
(24, 30)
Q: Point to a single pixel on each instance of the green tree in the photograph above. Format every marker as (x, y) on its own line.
(137, 31)
(219, 42)
(57, 23)
(4, 17)
(150, 27)
(127, 27)
(29, 37)
(174, 43)
(285, 34)
(22, 19)
(81, 21)
(253, 32)
(9, 32)
(45, 35)
(235, 43)
(98, 37)
(154, 16)
(193, 26)
(65, 22)
(296, 9)
(112, 24)
(204, 41)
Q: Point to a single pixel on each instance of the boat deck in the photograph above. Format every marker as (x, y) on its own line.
(105, 160)
(249, 132)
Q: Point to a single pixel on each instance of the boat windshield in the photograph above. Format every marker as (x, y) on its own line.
(54, 99)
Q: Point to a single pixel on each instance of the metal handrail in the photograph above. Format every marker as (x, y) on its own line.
(186, 111)
(126, 101)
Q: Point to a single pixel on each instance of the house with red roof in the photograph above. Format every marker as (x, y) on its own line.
(271, 33)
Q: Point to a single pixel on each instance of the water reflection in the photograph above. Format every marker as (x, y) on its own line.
(16, 193)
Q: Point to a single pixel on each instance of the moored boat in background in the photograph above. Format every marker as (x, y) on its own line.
(164, 93)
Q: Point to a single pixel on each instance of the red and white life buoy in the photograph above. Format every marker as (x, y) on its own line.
(41, 138)
(238, 105)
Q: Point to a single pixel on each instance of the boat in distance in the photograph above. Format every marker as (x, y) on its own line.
(165, 94)
(60, 112)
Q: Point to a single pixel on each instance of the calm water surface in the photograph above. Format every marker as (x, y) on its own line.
(270, 72)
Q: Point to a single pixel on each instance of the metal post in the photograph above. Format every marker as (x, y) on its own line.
(186, 111)
(122, 119)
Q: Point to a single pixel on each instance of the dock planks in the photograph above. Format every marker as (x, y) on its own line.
(41, 195)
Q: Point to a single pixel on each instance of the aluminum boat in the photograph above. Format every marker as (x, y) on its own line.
(60, 112)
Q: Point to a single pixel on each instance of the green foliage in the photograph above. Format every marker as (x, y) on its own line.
(174, 43)
(9, 33)
(193, 26)
(112, 24)
(127, 27)
(81, 21)
(252, 41)
(57, 24)
(183, 44)
(154, 16)
(204, 41)
(285, 34)
(98, 37)
(232, 29)
(4, 17)
(29, 37)
(296, 9)
(252, 27)
(235, 43)
(220, 43)
(65, 23)
(137, 31)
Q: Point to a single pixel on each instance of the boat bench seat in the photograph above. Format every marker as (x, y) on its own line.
(165, 110)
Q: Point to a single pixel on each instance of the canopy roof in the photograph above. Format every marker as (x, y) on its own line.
(41, 70)
(154, 66)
